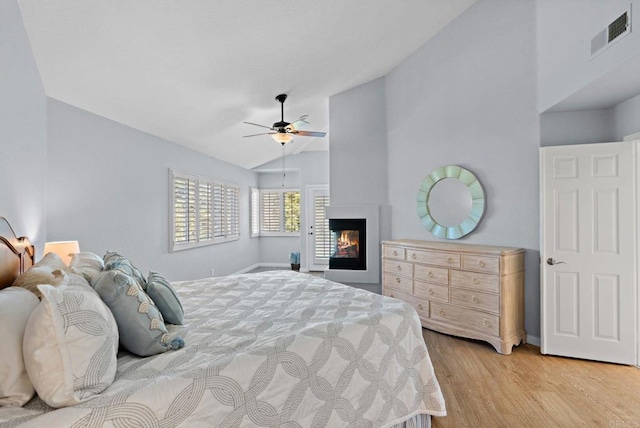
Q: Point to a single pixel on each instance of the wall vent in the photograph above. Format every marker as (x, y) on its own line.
(613, 32)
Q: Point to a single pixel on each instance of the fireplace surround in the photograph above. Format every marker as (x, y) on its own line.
(370, 246)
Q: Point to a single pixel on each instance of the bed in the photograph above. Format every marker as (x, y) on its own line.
(275, 349)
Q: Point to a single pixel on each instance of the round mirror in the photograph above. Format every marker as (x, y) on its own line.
(450, 202)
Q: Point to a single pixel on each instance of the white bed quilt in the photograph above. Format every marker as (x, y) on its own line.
(275, 349)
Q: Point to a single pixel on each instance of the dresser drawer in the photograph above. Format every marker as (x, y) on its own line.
(431, 291)
(422, 307)
(476, 300)
(401, 283)
(481, 263)
(466, 318)
(398, 268)
(476, 281)
(434, 258)
(393, 252)
(431, 274)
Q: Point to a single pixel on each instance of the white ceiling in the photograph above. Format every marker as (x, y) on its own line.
(192, 72)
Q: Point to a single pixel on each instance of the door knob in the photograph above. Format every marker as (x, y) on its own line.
(552, 262)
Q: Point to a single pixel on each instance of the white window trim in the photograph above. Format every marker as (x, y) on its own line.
(174, 246)
(282, 191)
(254, 212)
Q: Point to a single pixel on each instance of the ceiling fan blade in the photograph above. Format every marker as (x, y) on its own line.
(255, 135)
(255, 124)
(309, 133)
(300, 121)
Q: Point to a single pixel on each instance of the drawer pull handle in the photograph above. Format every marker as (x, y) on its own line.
(413, 256)
(476, 281)
(399, 267)
(474, 299)
(429, 291)
(441, 312)
(481, 263)
(395, 253)
(486, 323)
(450, 259)
(420, 306)
(398, 280)
(430, 274)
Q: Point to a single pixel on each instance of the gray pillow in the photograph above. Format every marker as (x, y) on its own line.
(141, 327)
(115, 261)
(165, 298)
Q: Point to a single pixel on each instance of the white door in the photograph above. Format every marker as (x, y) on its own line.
(588, 280)
(318, 234)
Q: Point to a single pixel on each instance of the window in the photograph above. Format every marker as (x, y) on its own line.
(202, 212)
(275, 212)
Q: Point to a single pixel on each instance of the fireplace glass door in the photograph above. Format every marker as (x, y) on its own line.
(348, 244)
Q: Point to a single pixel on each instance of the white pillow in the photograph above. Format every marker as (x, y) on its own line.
(16, 305)
(70, 343)
(87, 264)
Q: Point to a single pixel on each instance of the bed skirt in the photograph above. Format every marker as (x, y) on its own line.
(418, 421)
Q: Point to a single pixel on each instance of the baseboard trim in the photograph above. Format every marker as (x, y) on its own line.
(533, 340)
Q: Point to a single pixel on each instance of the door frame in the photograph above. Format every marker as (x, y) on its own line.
(309, 220)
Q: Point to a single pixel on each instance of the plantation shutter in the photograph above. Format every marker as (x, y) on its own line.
(205, 220)
(321, 231)
(218, 211)
(270, 212)
(233, 211)
(184, 200)
(255, 212)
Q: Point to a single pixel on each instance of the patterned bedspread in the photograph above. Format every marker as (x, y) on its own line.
(275, 349)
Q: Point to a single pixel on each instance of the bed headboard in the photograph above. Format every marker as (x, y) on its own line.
(16, 254)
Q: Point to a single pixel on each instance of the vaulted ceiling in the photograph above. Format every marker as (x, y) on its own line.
(192, 72)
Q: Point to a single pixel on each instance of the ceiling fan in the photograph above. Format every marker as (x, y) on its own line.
(282, 131)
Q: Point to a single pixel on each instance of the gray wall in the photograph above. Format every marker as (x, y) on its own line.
(564, 32)
(626, 118)
(576, 127)
(358, 150)
(109, 189)
(590, 126)
(304, 169)
(23, 130)
(467, 97)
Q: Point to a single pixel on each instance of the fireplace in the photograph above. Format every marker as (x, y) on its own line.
(348, 244)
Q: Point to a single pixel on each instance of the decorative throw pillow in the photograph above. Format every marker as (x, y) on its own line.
(115, 261)
(70, 344)
(49, 270)
(16, 305)
(87, 264)
(165, 298)
(142, 329)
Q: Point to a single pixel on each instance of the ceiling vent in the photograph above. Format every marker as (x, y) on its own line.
(619, 27)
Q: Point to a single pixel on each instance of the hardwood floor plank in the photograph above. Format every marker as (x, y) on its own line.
(527, 389)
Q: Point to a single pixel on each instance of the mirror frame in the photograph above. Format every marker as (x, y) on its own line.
(478, 204)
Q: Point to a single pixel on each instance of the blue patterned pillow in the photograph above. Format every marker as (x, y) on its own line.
(115, 261)
(141, 327)
(165, 297)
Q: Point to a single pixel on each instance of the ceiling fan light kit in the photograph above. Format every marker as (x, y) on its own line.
(283, 132)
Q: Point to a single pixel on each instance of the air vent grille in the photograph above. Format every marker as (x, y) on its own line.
(614, 31)
(618, 27)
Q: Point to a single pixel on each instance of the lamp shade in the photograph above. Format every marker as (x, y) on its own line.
(64, 249)
(282, 137)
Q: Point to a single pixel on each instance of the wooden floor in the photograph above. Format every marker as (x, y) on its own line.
(527, 389)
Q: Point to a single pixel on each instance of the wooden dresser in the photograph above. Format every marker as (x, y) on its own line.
(473, 291)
